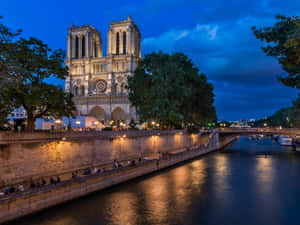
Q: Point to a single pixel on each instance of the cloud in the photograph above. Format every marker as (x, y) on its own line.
(171, 39)
(230, 55)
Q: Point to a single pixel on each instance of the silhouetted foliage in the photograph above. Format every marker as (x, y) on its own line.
(283, 43)
(25, 65)
(286, 118)
(169, 89)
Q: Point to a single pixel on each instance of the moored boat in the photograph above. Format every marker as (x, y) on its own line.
(285, 140)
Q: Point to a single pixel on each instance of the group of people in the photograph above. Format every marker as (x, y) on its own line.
(118, 164)
(54, 181)
(31, 185)
(163, 155)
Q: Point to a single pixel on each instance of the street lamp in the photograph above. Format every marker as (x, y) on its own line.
(77, 122)
(95, 124)
(111, 122)
(58, 122)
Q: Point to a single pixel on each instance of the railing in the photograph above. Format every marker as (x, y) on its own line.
(260, 130)
(12, 137)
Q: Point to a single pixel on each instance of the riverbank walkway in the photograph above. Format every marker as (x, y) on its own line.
(22, 190)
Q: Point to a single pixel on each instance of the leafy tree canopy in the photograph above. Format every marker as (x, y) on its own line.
(283, 43)
(169, 89)
(285, 117)
(25, 64)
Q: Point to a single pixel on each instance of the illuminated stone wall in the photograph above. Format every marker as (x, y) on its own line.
(33, 202)
(24, 160)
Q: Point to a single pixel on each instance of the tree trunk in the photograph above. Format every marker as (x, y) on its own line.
(30, 123)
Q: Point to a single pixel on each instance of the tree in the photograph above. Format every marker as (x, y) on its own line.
(27, 64)
(199, 106)
(168, 89)
(7, 104)
(285, 117)
(284, 44)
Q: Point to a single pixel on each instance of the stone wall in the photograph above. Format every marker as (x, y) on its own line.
(33, 156)
(32, 202)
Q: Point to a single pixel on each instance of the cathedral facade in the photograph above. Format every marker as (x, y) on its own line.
(98, 82)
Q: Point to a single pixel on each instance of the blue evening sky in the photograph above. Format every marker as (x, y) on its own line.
(215, 34)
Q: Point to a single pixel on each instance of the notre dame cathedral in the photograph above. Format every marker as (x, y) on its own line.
(98, 82)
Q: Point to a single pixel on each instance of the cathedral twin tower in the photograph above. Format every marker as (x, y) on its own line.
(98, 82)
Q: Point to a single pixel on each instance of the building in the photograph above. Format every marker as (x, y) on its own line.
(18, 113)
(75, 123)
(98, 82)
(17, 118)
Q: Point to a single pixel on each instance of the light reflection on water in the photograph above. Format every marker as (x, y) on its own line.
(236, 186)
(265, 174)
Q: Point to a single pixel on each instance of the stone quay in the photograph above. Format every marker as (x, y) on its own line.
(30, 157)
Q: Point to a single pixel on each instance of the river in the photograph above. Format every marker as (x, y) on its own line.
(250, 182)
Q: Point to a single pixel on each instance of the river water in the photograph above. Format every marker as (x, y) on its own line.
(250, 182)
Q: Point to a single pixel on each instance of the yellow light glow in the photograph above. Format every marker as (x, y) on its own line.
(77, 122)
(96, 122)
(58, 121)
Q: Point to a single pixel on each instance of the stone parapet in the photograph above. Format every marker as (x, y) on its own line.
(32, 156)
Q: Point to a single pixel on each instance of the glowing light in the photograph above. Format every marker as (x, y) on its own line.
(96, 122)
(153, 123)
(124, 136)
(77, 122)
(58, 121)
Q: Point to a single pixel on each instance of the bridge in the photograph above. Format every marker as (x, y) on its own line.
(292, 132)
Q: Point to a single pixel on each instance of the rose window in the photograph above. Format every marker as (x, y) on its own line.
(101, 86)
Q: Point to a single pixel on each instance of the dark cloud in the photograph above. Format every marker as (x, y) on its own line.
(230, 55)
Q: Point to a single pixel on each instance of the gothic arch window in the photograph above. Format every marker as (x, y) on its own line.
(95, 49)
(117, 43)
(123, 88)
(82, 90)
(124, 43)
(83, 46)
(76, 91)
(117, 90)
(76, 47)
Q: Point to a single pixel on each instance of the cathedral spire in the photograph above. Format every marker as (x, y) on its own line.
(129, 18)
